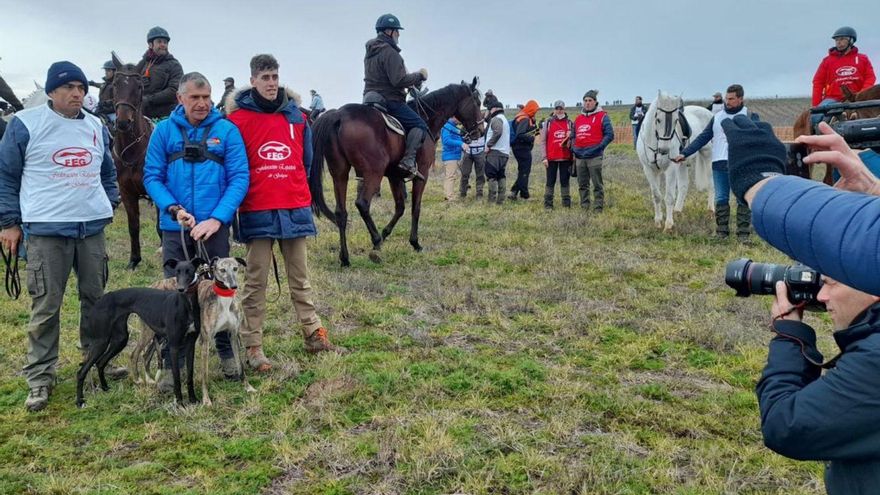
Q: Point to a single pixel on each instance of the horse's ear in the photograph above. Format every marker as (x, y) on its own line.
(475, 83)
(39, 88)
(116, 61)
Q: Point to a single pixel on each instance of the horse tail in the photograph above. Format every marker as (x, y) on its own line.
(323, 132)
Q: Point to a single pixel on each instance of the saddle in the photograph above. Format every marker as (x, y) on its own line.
(374, 100)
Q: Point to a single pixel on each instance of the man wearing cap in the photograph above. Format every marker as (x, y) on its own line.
(843, 66)
(385, 74)
(717, 104)
(317, 105)
(105, 93)
(497, 152)
(161, 73)
(228, 89)
(636, 116)
(58, 184)
(489, 99)
(556, 134)
(593, 132)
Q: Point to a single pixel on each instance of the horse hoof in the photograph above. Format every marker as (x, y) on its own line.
(80, 404)
(133, 264)
(374, 257)
(345, 263)
(416, 246)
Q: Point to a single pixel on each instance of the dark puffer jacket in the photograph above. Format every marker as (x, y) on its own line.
(384, 70)
(829, 417)
(161, 79)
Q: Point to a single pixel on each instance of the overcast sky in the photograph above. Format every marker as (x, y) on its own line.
(545, 50)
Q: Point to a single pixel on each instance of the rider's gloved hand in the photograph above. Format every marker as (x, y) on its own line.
(754, 153)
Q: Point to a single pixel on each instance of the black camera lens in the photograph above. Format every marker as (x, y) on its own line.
(747, 277)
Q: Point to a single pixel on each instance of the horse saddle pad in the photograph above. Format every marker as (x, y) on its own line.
(393, 124)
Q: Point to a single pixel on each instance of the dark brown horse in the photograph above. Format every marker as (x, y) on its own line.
(355, 136)
(802, 125)
(130, 140)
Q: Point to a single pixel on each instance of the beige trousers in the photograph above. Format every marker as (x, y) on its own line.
(450, 179)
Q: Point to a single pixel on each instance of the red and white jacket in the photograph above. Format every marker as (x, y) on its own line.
(851, 69)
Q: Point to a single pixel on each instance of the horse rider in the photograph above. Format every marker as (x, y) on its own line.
(7, 94)
(843, 66)
(228, 89)
(161, 73)
(317, 106)
(105, 109)
(385, 77)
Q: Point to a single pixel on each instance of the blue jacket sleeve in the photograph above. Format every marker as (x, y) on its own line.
(308, 152)
(836, 233)
(108, 172)
(702, 140)
(607, 132)
(12, 149)
(237, 175)
(450, 138)
(156, 168)
(808, 416)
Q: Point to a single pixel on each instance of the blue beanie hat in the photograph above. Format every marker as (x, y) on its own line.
(63, 72)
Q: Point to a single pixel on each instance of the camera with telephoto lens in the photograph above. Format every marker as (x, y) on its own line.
(858, 133)
(747, 277)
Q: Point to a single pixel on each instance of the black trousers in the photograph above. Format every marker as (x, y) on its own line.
(524, 169)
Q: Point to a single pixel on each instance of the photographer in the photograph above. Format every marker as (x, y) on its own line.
(806, 415)
(834, 231)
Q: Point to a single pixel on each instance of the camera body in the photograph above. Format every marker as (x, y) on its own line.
(194, 152)
(747, 277)
(859, 133)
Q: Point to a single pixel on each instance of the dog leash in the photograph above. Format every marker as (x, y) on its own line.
(13, 281)
(277, 277)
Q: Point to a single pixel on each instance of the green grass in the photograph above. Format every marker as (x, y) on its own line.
(523, 351)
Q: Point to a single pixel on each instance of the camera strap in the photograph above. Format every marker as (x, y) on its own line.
(203, 145)
(827, 364)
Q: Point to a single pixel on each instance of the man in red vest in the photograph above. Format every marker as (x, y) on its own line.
(277, 205)
(556, 135)
(592, 133)
(844, 66)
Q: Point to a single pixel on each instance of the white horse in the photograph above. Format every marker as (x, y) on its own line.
(660, 140)
(36, 98)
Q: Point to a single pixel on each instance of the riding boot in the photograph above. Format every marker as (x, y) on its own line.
(548, 197)
(501, 186)
(722, 220)
(493, 191)
(565, 192)
(743, 222)
(414, 139)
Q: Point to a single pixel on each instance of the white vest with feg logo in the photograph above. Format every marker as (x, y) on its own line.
(719, 139)
(61, 180)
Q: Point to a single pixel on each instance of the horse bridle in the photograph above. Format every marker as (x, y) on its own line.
(135, 111)
(670, 132)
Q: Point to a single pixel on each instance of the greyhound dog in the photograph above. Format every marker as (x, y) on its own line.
(220, 311)
(173, 315)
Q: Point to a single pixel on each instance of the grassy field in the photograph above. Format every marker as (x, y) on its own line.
(523, 351)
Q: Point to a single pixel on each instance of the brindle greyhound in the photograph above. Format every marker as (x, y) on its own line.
(173, 315)
(220, 312)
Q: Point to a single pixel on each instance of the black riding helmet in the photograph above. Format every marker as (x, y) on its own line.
(108, 65)
(388, 21)
(845, 31)
(157, 32)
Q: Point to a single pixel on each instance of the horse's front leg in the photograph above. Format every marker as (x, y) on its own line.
(397, 192)
(669, 197)
(371, 185)
(418, 189)
(133, 214)
(656, 199)
(682, 190)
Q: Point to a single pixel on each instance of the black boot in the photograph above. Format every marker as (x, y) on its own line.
(722, 221)
(743, 223)
(566, 196)
(548, 197)
(414, 139)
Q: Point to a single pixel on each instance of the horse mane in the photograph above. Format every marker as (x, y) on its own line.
(441, 97)
(130, 68)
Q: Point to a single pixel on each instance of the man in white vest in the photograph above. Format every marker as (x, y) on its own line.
(58, 184)
(733, 105)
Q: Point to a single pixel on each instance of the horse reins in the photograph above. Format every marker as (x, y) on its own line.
(12, 279)
(672, 131)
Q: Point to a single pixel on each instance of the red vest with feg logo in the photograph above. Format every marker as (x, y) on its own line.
(588, 129)
(275, 154)
(556, 134)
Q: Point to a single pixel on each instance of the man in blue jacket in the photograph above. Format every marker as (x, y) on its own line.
(57, 184)
(453, 145)
(196, 171)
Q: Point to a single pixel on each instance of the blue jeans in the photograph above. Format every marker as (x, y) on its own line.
(407, 116)
(636, 129)
(721, 179)
(815, 118)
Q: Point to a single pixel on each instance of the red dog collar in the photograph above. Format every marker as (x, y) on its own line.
(223, 291)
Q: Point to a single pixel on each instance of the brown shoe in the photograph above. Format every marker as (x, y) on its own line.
(257, 360)
(318, 342)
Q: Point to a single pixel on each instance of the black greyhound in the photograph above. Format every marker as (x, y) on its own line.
(172, 315)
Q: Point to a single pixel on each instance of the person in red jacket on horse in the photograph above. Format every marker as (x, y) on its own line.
(844, 66)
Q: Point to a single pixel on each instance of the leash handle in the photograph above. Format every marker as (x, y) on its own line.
(12, 278)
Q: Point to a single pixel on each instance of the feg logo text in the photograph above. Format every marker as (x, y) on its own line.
(72, 157)
(275, 151)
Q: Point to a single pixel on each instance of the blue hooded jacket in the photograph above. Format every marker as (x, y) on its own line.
(450, 136)
(206, 189)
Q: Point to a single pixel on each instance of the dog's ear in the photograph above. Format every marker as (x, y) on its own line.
(172, 263)
(197, 262)
(214, 261)
(240, 261)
